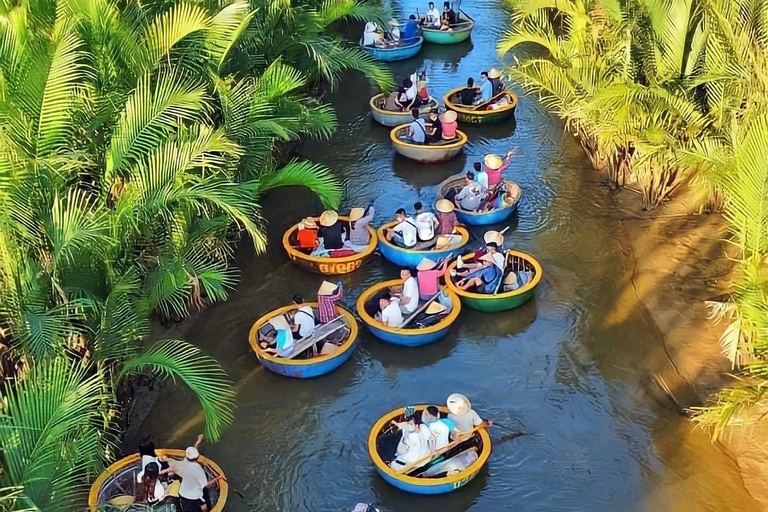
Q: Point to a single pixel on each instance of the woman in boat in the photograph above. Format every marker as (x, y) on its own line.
(371, 36)
(428, 277)
(359, 237)
(333, 231)
(446, 217)
(434, 128)
(390, 315)
(485, 279)
(448, 120)
(495, 166)
(414, 444)
(327, 296)
(151, 489)
(409, 296)
(303, 321)
(495, 78)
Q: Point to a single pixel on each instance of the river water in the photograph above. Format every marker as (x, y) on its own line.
(566, 368)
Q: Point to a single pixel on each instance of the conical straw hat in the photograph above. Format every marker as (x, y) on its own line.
(444, 206)
(327, 288)
(493, 162)
(494, 73)
(494, 236)
(443, 241)
(426, 264)
(328, 218)
(458, 404)
(449, 116)
(356, 214)
(435, 308)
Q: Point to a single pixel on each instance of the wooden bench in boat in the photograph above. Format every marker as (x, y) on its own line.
(319, 334)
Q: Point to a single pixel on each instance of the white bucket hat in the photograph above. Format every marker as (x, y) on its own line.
(191, 453)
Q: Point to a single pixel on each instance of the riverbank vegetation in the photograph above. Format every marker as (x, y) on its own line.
(137, 139)
(662, 93)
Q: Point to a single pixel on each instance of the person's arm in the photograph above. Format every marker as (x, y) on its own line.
(441, 272)
(367, 217)
(213, 481)
(339, 293)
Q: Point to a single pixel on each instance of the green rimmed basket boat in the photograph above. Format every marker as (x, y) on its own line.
(507, 300)
(459, 32)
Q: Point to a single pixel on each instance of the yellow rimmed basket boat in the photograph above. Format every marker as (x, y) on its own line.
(327, 265)
(426, 153)
(408, 336)
(314, 366)
(403, 257)
(502, 301)
(117, 484)
(468, 113)
(425, 485)
(391, 118)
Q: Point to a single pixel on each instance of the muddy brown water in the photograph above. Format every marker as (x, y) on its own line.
(568, 366)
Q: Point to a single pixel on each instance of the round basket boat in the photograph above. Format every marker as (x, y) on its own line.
(451, 186)
(327, 265)
(390, 118)
(406, 336)
(468, 114)
(305, 368)
(502, 301)
(480, 439)
(119, 481)
(427, 153)
(402, 52)
(403, 257)
(459, 32)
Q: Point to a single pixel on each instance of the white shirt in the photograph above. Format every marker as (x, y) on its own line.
(370, 38)
(305, 320)
(482, 178)
(466, 422)
(499, 260)
(442, 434)
(425, 222)
(407, 230)
(391, 315)
(411, 291)
(193, 479)
(395, 32)
(435, 15)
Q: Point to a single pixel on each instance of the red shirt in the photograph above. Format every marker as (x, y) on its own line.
(449, 130)
(447, 223)
(307, 238)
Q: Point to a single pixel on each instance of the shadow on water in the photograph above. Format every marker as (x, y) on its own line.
(567, 366)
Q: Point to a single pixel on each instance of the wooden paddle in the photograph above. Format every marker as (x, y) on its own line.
(495, 98)
(467, 15)
(433, 455)
(421, 308)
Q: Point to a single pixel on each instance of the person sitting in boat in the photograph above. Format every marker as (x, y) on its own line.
(432, 18)
(516, 279)
(434, 128)
(364, 507)
(394, 32)
(425, 221)
(485, 279)
(306, 234)
(359, 237)
(428, 276)
(422, 91)
(469, 93)
(443, 430)
(410, 30)
(405, 233)
(409, 295)
(445, 26)
(333, 231)
(414, 444)
(495, 78)
(470, 196)
(448, 14)
(303, 324)
(462, 414)
(499, 103)
(277, 340)
(372, 36)
(391, 315)
(151, 489)
(494, 165)
(486, 89)
(417, 131)
(446, 217)
(498, 257)
(327, 297)
(480, 175)
(448, 120)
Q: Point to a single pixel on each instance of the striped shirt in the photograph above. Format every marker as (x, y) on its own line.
(327, 305)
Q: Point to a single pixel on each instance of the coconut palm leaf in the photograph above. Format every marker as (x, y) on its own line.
(315, 177)
(177, 359)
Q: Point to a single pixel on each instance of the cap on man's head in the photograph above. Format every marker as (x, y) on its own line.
(191, 453)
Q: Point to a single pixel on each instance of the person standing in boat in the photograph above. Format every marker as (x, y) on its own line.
(391, 315)
(333, 231)
(495, 166)
(462, 414)
(480, 175)
(495, 78)
(417, 131)
(359, 237)
(428, 277)
(426, 222)
(327, 297)
(194, 482)
(405, 233)
(486, 89)
(471, 194)
(409, 296)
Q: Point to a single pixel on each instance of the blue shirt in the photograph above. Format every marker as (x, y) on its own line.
(490, 276)
(486, 90)
(448, 423)
(284, 343)
(409, 32)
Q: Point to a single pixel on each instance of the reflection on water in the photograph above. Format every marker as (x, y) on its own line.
(560, 367)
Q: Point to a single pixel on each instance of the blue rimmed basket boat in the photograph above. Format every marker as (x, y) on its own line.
(419, 485)
(304, 368)
(393, 53)
(411, 257)
(407, 336)
(454, 184)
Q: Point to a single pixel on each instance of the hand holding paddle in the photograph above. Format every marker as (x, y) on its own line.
(433, 455)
